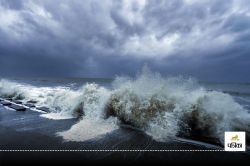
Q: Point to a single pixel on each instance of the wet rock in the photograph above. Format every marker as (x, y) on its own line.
(45, 109)
(5, 103)
(32, 101)
(17, 101)
(17, 107)
(29, 105)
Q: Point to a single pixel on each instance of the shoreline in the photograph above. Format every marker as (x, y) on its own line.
(28, 131)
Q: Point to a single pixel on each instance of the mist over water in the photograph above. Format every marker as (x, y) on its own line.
(162, 107)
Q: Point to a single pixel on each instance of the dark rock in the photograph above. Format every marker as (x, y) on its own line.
(5, 103)
(17, 107)
(17, 101)
(30, 105)
(78, 111)
(45, 109)
(32, 101)
(9, 99)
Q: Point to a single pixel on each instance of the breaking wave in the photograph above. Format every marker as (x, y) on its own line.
(163, 108)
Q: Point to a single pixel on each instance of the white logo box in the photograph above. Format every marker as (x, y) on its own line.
(235, 141)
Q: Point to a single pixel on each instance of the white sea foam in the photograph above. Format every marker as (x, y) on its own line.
(93, 125)
(163, 107)
(57, 116)
(88, 129)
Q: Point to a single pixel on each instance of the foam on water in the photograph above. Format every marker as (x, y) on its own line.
(162, 107)
(57, 116)
(60, 100)
(92, 125)
(167, 107)
(89, 129)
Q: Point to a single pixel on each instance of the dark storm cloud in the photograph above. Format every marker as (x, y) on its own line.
(12, 4)
(205, 39)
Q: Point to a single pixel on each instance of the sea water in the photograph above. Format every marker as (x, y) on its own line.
(162, 107)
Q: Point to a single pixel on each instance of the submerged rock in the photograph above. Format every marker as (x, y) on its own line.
(17, 107)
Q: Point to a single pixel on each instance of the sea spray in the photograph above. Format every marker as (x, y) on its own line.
(60, 100)
(92, 125)
(163, 108)
(168, 107)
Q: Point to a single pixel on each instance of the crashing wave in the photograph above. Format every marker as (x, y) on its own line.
(162, 107)
(170, 107)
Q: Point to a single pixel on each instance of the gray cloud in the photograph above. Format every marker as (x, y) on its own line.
(206, 39)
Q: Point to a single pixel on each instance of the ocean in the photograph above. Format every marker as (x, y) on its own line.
(163, 108)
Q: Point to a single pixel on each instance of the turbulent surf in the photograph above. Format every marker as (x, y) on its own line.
(164, 108)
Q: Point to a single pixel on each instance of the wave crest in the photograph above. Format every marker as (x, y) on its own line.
(169, 107)
(162, 107)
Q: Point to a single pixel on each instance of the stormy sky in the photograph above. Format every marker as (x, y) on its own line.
(206, 39)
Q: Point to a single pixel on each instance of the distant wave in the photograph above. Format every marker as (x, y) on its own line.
(163, 108)
(237, 93)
